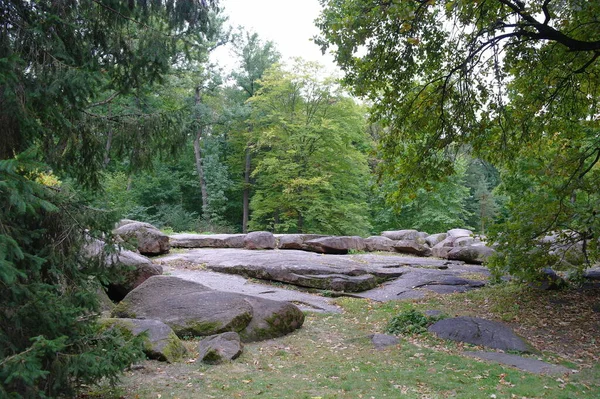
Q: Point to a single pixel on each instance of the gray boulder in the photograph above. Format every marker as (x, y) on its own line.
(412, 247)
(442, 248)
(379, 243)
(471, 254)
(457, 233)
(382, 341)
(402, 235)
(479, 331)
(219, 348)
(161, 343)
(335, 245)
(433, 239)
(146, 238)
(260, 240)
(192, 309)
(294, 241)
(207, 240)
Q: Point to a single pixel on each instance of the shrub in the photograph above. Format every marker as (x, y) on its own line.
(411, 322)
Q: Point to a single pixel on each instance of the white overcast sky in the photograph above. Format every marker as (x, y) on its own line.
(288, 23)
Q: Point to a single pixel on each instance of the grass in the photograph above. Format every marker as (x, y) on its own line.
(332, 357)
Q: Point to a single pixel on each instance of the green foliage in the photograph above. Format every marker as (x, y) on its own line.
(311, 169)
(516, 83)
(411, 322)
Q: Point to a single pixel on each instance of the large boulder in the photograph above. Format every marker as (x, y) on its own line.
(457, 233)
(335, 245)
(471, 254)
(192, 309)
(412, 247)
(442, 248)
(260, 240)
(397, 235)
(479, 331)
(146, 238)
(379, 243)
(207, 240)
(219, 348)
(294, 241)
(434, 239)
(160, 343)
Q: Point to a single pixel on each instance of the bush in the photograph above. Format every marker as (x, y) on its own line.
(411, 322)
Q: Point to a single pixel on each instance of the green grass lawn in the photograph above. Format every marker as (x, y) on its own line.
(332, 357)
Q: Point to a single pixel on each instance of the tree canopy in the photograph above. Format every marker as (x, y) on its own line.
(515, 82)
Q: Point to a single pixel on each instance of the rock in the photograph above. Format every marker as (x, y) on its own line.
(463, 241)
(530, 365)
(335, 245)
(397, 235)
(294, 241)
(335, 282)
(479, 331)
(260, 240)
(146, 238)
(219, 348)
(382, 341)
(457, 233)
(207, 240)
(123, 222)
(471, 254)
(433, 239)
(106, 305)
(192, 309)
(441, 249)
(592, 274)
(412, 247)
(548, 280)
(161, 342)
(379, 243)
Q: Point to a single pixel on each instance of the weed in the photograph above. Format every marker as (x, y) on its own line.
(411, 322)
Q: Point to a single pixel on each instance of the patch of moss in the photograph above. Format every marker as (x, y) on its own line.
(198, 329)
(123, 310)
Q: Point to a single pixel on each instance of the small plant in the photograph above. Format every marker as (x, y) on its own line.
(411, 322)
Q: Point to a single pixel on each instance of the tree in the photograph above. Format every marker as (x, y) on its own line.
(518, 82)
(311, 171)
(59, 62)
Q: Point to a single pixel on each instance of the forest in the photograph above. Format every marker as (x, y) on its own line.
(450, 114)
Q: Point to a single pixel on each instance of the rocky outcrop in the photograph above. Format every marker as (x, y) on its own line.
(476, 254)
(294, 241)
(219, 348)
(412, 247)
(192, 309)
(379, 243)
(160, 342)
(479, 331)
(260, 240)
(335, 245)
(410, 235)
(146, 238)
(207, 240)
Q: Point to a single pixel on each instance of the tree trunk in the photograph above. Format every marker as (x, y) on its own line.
(246, 194)
(300, 223)
(200, 170)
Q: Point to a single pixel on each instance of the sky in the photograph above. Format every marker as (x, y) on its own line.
(288, 23)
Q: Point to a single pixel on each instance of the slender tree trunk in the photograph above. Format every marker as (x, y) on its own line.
(200, 170)
(108, 142)
(246, 193)
(300, 223)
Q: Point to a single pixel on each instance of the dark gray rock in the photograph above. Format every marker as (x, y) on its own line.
(412, 247)
(548, 280)
(397, 235)
(382, 341)
(146, 238)
(525, 364)
(335, 245)
(161, 343)
(478, 331)
(192, 309)
(592, 274)
(207, 240)
(294, 241)
(477, 254)
(379, 243)
(219, 348)
(260, 240)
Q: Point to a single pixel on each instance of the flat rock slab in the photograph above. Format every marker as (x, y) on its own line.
(522, 363)
(207, 240)
(382, 341)
(477, 331)
(348, 273)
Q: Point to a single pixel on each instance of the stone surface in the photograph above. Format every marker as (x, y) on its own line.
(471, 254)
(433, 239)
(335, 245)
(397, 235)
(192, 309)
(412, 247)
(146, 238)
(161, 342)
(379, 243)
(592, 274)
(441, 249)
(219, 348)
(382, 341)
(260, 240)
(479, 331)
(207, 240)
(294, 241)
(456, 233)
(522, 363)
